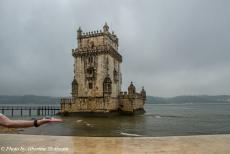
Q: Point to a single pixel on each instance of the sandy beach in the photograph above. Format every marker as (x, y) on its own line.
(203, 144)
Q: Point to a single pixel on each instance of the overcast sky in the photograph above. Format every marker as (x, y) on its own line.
(171, 47)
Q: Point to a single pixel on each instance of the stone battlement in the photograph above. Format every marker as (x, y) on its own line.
(92, 49)
(124, 94)
(90, 34)
(100, 49)
(66, 100)
(97, 33)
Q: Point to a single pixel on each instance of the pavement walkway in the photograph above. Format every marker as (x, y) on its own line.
(203, 144)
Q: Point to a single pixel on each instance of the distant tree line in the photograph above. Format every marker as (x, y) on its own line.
(29, 99)
(33, 99)
(190, 99)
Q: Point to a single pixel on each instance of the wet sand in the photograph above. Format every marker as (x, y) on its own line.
(203, 144)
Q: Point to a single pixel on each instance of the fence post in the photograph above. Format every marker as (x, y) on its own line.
(38, 111)
(30, 112)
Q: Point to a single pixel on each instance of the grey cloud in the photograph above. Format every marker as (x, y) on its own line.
(170, 47)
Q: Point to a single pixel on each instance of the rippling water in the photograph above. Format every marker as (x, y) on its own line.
(159, 120)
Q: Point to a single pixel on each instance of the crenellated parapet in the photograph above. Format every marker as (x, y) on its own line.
(94, 38)
(96, 50)
(97, 33)
(132, 93)
(66, 104)
(90, 34)
(124, 95)
(66, 100)
(105, 32)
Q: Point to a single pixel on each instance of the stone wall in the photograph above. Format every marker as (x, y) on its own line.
(104, 64)
(89, 104)
(85, 42)
(92, 104)
(97, 38)
(130, 103)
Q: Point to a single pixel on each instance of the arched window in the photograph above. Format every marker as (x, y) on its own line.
(90, 73)
(107, 86)
(90, 60)
(115, 75)
(74, 88)
(90, 85)
(91, 44)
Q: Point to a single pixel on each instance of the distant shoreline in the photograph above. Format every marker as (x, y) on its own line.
(33, 99)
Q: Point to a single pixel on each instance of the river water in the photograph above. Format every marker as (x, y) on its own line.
(159, 120)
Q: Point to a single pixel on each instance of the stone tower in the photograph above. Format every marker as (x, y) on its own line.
(96, 64)
(96, 85)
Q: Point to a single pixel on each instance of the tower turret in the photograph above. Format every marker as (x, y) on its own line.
(106, 27)
(143, 93)
(131, 89)
(79, 32)
(74, 88)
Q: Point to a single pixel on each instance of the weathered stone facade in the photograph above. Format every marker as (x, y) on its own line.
(96, 86)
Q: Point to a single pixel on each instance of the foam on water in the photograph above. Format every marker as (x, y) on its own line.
(128, 134)
(78, 121)
(157, 116)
